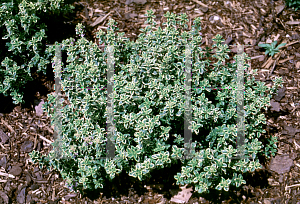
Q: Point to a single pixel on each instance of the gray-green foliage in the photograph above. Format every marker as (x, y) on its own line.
(25, 49)
(271, 49)
(294, 4)
(148, 97)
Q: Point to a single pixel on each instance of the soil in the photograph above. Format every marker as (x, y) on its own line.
(23, 128)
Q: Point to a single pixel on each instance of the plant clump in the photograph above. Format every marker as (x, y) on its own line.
(149, 95)
(24, 36)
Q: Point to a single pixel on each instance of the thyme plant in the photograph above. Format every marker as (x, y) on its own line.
(149, 107)
(24, 36)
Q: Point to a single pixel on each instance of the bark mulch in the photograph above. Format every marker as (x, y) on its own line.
(25, 128)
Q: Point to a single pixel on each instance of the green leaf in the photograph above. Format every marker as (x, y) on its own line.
(265, 45)
(273, 44)
(149, 93)
(280, 45)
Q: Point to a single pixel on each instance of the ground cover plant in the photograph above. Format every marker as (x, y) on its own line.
(149, 107)
(23, 43)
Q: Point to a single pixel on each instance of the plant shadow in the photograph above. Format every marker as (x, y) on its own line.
(123, 184)
(257, 179)
(58, 28)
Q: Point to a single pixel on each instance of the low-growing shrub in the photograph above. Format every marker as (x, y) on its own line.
(149, 109)
(24, 37)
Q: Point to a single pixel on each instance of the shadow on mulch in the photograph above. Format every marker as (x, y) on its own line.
(33, 91)
(123, 183)
(256, 179)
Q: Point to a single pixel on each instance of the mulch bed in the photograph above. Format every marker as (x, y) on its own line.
(23, 128)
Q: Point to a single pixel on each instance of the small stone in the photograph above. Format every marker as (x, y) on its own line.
(204, 9)
(281, 164)
(216, 18)
(280, 94)
(28, 198)
(3, 137)
(211, 19)
(21, 196)
(34, 187)
(3, 198)
(295, 37)
(135, 1)
(38, 108)
(3, 162)
(275, 106)
(15, 170)
(27, 146)
(266, 201)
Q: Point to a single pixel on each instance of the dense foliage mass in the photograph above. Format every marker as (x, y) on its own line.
(149, 109)
(23, 43)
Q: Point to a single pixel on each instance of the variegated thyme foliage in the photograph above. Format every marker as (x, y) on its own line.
(21, 27)
(149, 109)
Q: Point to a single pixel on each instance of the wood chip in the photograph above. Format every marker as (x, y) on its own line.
(255, 57)
(200, 3)
(2, 146)
(45, 139)
(6, 174)
(100, 19)
(284, 60)
(292, 22)
(7, 125)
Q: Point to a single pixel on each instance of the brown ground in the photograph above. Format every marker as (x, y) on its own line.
(244, 22)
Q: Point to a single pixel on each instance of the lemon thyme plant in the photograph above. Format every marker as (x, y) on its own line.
(149, 109)
(24, 38)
